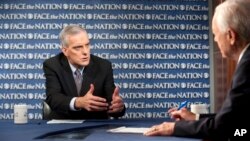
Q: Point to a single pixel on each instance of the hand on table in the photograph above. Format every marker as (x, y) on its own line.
(164, 129)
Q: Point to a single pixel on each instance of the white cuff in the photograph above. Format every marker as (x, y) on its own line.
(72, 104)
(197, 116)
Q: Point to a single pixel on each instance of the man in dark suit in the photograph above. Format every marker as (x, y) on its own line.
(80, 85)
(231, 29)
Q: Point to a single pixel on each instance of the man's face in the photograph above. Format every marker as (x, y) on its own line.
(78, 49)
(223, 40)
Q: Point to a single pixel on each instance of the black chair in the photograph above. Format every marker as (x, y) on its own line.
(46, 111)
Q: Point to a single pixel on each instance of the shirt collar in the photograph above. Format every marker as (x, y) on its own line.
(73, 68)
(242, 52)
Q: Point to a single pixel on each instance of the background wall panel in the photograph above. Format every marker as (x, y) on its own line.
(159, 50)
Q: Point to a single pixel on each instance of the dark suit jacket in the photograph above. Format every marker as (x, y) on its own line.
(233, 114)
(61, 88)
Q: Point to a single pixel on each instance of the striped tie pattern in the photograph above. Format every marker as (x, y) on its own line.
(78, 80)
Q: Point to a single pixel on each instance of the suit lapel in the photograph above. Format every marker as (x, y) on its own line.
(69, 79)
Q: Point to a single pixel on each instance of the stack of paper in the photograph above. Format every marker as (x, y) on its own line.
(124, 129)
(57, 121)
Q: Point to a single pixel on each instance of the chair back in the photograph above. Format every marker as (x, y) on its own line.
(46, 111)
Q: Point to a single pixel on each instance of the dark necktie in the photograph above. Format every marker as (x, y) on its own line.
(78, 80)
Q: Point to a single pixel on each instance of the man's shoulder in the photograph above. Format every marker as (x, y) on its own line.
(97, 59)
(56, 57)
(54, 60)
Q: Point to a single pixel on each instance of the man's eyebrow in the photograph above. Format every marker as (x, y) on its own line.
(77, 46)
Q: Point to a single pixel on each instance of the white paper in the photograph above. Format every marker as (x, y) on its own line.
(58, 121)
(124, 129)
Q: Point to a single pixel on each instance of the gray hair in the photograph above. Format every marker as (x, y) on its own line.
(69, 30)
(234, 14)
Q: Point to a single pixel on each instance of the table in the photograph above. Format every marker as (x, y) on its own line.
(89, 130)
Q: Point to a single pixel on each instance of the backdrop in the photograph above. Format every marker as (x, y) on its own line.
(159, 50)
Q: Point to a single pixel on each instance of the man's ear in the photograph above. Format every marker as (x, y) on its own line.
(231, 36)
(64, 50)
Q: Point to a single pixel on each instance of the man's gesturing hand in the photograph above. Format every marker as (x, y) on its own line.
(91, 102)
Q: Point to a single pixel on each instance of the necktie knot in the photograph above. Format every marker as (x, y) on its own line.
(78, 75)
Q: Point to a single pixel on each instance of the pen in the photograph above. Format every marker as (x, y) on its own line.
(183, 104)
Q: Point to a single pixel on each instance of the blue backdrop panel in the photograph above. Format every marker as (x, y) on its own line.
(159, 50)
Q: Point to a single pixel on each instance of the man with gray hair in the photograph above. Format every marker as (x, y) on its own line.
(80, 85)
(231, 29)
